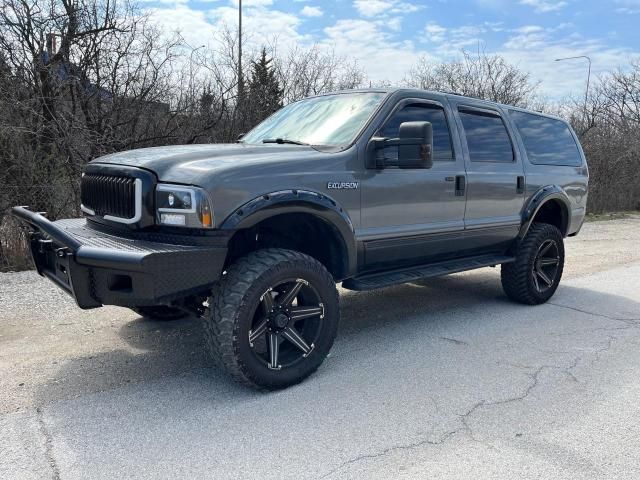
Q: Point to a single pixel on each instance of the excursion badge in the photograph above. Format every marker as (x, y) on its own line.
(343, 185)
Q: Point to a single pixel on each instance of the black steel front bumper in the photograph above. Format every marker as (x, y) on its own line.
(98, 268)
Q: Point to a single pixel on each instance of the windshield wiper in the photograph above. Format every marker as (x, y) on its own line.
(283, 140)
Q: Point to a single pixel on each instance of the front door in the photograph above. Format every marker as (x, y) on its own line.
(409, 215)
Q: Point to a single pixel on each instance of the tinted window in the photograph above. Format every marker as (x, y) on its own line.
(487, 137)
(421, 113)
(548, 141)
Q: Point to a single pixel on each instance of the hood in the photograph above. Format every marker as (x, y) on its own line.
(189, 163)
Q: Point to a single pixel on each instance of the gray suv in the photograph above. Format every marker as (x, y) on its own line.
(370, 188)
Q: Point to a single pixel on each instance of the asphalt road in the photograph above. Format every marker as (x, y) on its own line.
(438, 379)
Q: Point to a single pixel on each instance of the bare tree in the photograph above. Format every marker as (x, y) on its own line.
(303, 72)
(78, 79)
(489, 77)
(96, 77)
(619, 93)
(609, 127)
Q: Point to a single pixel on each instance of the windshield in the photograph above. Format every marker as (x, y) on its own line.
(327, 120)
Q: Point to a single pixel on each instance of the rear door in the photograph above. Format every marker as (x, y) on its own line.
(495, 176)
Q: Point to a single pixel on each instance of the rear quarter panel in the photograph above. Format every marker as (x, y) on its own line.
(574, 180)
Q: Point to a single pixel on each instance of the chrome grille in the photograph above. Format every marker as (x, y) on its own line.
(114, 196)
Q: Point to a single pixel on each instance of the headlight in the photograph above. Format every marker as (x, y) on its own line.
(183, 207)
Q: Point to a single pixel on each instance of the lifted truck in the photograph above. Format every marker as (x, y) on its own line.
(370, 188)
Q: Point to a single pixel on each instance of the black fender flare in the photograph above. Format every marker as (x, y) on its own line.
(297, 201)
(538, 199)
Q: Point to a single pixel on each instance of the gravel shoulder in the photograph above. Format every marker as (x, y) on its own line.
(602, 245)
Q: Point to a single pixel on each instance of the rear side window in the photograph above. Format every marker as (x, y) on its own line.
(487, 137)
(548, 141)
(421, 112)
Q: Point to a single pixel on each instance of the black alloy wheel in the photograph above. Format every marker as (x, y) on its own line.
(272, 319)
(545, 266)
(286, 323)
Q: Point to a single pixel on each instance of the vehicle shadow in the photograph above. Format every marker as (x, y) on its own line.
(159, 350)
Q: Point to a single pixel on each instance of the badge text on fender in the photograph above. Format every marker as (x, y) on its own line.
(343, 185)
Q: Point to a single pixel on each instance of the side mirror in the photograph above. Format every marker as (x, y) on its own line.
(414, 144)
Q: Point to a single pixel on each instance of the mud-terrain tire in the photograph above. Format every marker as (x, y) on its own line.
(272, 319)
(535, 274)
(160, 313)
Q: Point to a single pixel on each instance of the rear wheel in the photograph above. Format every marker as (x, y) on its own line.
(272, 319)
(534, 276)
(162, 313)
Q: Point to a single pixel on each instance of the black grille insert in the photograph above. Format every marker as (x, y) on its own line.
(109, 195)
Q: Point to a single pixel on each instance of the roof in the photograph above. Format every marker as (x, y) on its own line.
(391, 90)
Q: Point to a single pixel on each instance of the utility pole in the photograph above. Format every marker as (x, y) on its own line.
(586, 93)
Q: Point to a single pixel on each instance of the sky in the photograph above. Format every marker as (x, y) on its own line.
(386, 37)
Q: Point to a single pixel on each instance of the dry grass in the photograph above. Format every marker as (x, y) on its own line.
(603, 217)
(14, 251)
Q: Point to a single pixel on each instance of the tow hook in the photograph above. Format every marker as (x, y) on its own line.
(62, 252)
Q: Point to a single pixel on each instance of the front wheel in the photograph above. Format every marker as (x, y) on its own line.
(535, 274)
(273, 317)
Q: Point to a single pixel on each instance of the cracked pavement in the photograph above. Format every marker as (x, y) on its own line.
(438, 379)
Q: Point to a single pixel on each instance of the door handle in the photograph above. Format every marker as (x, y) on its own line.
(460, 185)
(520, 184)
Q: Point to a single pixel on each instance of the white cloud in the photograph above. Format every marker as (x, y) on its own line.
(528, 29)
(374, 8)
(375, 49)
(536, 52)
(434, 32)
(394, 23)
(628, 7)
(404, 7)
(544, 6)
(448, 42)
(261, 25)
(253, 3)
(628, 11)
(309, 11)
(371, 8)
(192, 24)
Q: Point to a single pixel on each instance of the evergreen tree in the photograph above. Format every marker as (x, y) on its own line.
(264, 93)
(206, 102)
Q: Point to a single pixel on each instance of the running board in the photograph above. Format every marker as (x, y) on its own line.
(404, 275)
